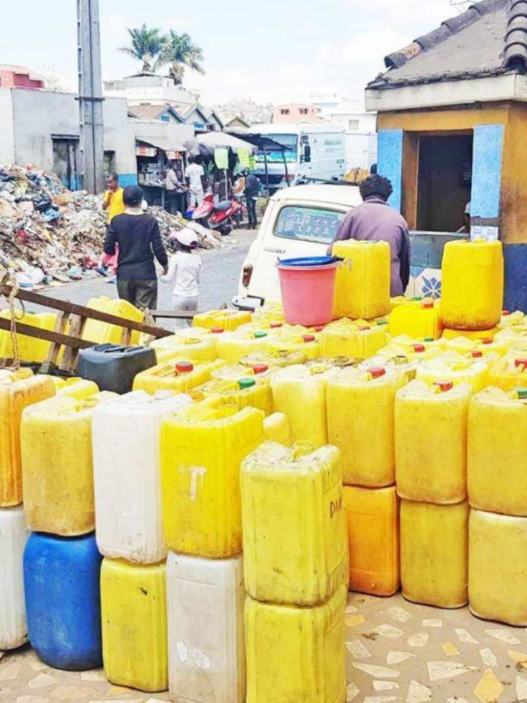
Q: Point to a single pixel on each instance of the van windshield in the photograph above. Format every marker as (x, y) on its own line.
(308, 224)
(288, 140)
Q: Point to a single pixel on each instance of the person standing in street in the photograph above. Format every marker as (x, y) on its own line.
(252, 188)
(175, 191)
(195, 176)
(376, 221)
(138, 237)
(113, 197)
(185, 269)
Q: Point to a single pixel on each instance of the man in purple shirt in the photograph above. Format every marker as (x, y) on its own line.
(375, 221)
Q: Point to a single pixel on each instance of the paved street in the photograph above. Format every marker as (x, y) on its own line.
(221, 270)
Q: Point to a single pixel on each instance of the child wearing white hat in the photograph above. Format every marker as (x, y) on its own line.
(185, 267)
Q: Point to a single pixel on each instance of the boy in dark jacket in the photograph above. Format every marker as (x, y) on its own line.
(138, 238)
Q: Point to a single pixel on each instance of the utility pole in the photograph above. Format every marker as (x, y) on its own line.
(90, 96)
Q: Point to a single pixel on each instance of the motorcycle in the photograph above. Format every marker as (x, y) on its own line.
(222, 217)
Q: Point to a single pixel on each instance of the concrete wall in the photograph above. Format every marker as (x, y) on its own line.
(39, 116)
(509, 177)
(7, 139)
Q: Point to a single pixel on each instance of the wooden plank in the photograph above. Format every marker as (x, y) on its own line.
(69, 360)
(47, 335)
(64, 306)
(60, 328)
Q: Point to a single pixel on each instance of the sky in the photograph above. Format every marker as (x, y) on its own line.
(269, 51)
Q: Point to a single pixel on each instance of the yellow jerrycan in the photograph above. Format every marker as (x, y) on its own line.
(276, 429)
(510, 372)
(197, 348)
(57, 464)
(233, 346)
(431, 441)
(103, 332)
(29, 348)
(473, 284)
(434, 553)
(76, 388)
(360, 414)
(222, 320)
(275, 360)
(497, 451)
(134, 624)
(418, 318)
(202, 449)
(177, 375)
(300, 393)
(453, 367)
(248, 391)
(373, 534)
(362, 288)
(18, 390)
(497, 577)
(358, 339)
(296, 655)
(294, 338)
(285, 493)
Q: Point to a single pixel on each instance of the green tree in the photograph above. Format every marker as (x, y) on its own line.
(146, 46)
(180, 52)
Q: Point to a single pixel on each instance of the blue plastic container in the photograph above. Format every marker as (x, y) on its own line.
(112, 367)
(63, 600)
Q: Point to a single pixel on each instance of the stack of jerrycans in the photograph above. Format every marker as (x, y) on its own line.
(360, 416)
(497, 486)
(61, 560)
(431, 461)
(202, 449)
(296, 574)
(18, 390)
(126, 450)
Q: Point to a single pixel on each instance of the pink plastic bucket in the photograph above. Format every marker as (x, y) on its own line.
(307, 293)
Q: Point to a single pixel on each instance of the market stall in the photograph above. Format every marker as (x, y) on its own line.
(153, 157)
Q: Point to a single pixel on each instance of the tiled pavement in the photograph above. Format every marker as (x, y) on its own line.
(396, 651)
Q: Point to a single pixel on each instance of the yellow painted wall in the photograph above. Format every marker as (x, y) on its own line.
(514, 169)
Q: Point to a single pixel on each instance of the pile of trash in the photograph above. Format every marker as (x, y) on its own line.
(49, 233)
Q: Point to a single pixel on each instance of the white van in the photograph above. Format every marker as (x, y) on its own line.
(314, 151)
(299, 221)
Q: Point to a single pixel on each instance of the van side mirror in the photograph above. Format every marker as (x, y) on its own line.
(307, 153)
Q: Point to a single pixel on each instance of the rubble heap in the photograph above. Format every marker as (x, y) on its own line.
(49, 232)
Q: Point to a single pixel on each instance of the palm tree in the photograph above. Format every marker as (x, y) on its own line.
(146, 46)
(180, 52)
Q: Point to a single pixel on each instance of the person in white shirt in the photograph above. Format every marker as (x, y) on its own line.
(185, 268)
(195, 175)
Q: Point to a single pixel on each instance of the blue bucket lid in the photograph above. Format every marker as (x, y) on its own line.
(309, 261)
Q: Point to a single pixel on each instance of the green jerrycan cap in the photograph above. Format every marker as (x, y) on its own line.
(246, 383)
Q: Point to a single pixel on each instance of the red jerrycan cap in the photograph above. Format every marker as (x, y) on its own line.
(260, 368)
(309, 338)
(486, 340)
(520, 363)
(444, 386)
(276, 325)
(418, 348)
(377, 371)
(364, 328)
(184, 367)
(427, 304)
(521, 393)
(319, 328)
(476, 354)
(216, 330)
(506, 313)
